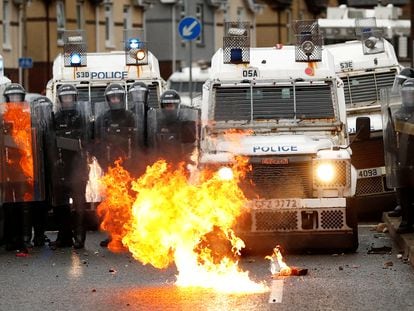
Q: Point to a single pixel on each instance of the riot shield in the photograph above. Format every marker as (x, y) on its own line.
(115, 136)
(172, 138)
(391, 107)
(68, 142)
(21, 162)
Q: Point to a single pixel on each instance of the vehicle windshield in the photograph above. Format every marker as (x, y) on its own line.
(257, 103)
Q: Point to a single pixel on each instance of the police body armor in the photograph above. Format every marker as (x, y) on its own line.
(68, 140)
(116, 135)
(398, 128)
(21, 152)
(172, 134)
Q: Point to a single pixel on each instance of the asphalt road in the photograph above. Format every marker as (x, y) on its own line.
(96, 279)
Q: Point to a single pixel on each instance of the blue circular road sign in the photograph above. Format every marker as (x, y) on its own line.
(189, 28)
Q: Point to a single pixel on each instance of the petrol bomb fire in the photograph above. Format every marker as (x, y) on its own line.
(18, 114)
(162, 218)
(278, 266)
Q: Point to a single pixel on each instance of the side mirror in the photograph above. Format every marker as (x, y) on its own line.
(363, 128)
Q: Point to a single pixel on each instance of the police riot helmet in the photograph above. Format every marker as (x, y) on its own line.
(68, 95)
(400, 78)
(407, 93)
(138, 92)
(115, 96)
(14, 92)
(170, 98)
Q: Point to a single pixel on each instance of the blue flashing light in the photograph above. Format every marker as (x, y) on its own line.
(236, 55)
(134, 43)
(75, 59)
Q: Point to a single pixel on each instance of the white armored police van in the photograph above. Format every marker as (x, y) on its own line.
(366, 66)
(4, 81)
(92, 72)
(286, 107)
(180, 81)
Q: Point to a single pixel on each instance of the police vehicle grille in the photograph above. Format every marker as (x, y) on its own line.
(365, 88)
(372, 185)
(261, 103)
(279, 181)
(332, 219)
(282, 221)
(275, 221)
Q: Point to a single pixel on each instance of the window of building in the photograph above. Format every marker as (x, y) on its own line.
(200, 17)
(127, 17)
(80, 20)
(109, 25)
(60, 21)
(6, 24)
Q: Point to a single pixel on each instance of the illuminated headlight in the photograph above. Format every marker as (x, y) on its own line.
(141, 54)
(331, 174)
(225, 173)
(137, 54)
(325, 173)
(75, 59)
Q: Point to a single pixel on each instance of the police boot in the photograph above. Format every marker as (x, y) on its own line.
(79, 239)
(62, 240)
(27, 227)
(396, 212)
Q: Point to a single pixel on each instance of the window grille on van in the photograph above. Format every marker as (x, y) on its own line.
(365, 88)
(273, 102)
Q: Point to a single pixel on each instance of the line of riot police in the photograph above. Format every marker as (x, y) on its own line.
(46, 150)
(398, 125)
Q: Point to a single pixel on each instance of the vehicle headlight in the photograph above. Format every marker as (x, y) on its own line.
(225, 173)
(331, 173)
(325, 172)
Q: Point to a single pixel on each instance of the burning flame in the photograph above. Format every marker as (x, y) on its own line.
(277, 264)
(18, 114)
(162, 219)
(93, 186)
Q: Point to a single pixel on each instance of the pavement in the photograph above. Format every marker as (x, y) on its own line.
(404, 241)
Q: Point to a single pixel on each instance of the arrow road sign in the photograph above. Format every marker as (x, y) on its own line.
(189, 28)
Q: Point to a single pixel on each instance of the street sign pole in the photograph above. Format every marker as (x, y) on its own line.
(190, 86)
(189, 29)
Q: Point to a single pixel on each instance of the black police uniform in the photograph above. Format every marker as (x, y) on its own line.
(69, 172)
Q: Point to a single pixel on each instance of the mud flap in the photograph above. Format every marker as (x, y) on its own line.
(352, 222)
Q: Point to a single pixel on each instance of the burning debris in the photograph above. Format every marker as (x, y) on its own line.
(278, 267)
(162, 218)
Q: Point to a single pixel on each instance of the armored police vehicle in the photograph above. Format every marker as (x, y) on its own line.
(339, 25)
(366, 66)
(92, 72)
(180, 81)
(286, 106)
(4, 81)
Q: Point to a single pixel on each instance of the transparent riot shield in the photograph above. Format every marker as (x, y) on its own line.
(68, 143)
(391, 105)
(21, 155)
(172, 136)
(116, 136)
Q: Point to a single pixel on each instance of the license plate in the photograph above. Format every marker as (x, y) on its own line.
(369, 172)
(276, 203)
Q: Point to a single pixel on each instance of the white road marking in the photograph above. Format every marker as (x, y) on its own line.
(276, 292)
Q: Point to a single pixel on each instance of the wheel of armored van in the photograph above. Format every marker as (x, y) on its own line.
(352, 222)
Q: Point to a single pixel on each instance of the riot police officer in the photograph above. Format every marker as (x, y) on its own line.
(116, 132)
(405, 74)
(404, 131)
(68, 140)
(172, 129)
(17, 179)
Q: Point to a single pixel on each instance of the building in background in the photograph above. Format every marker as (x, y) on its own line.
(33, 29)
